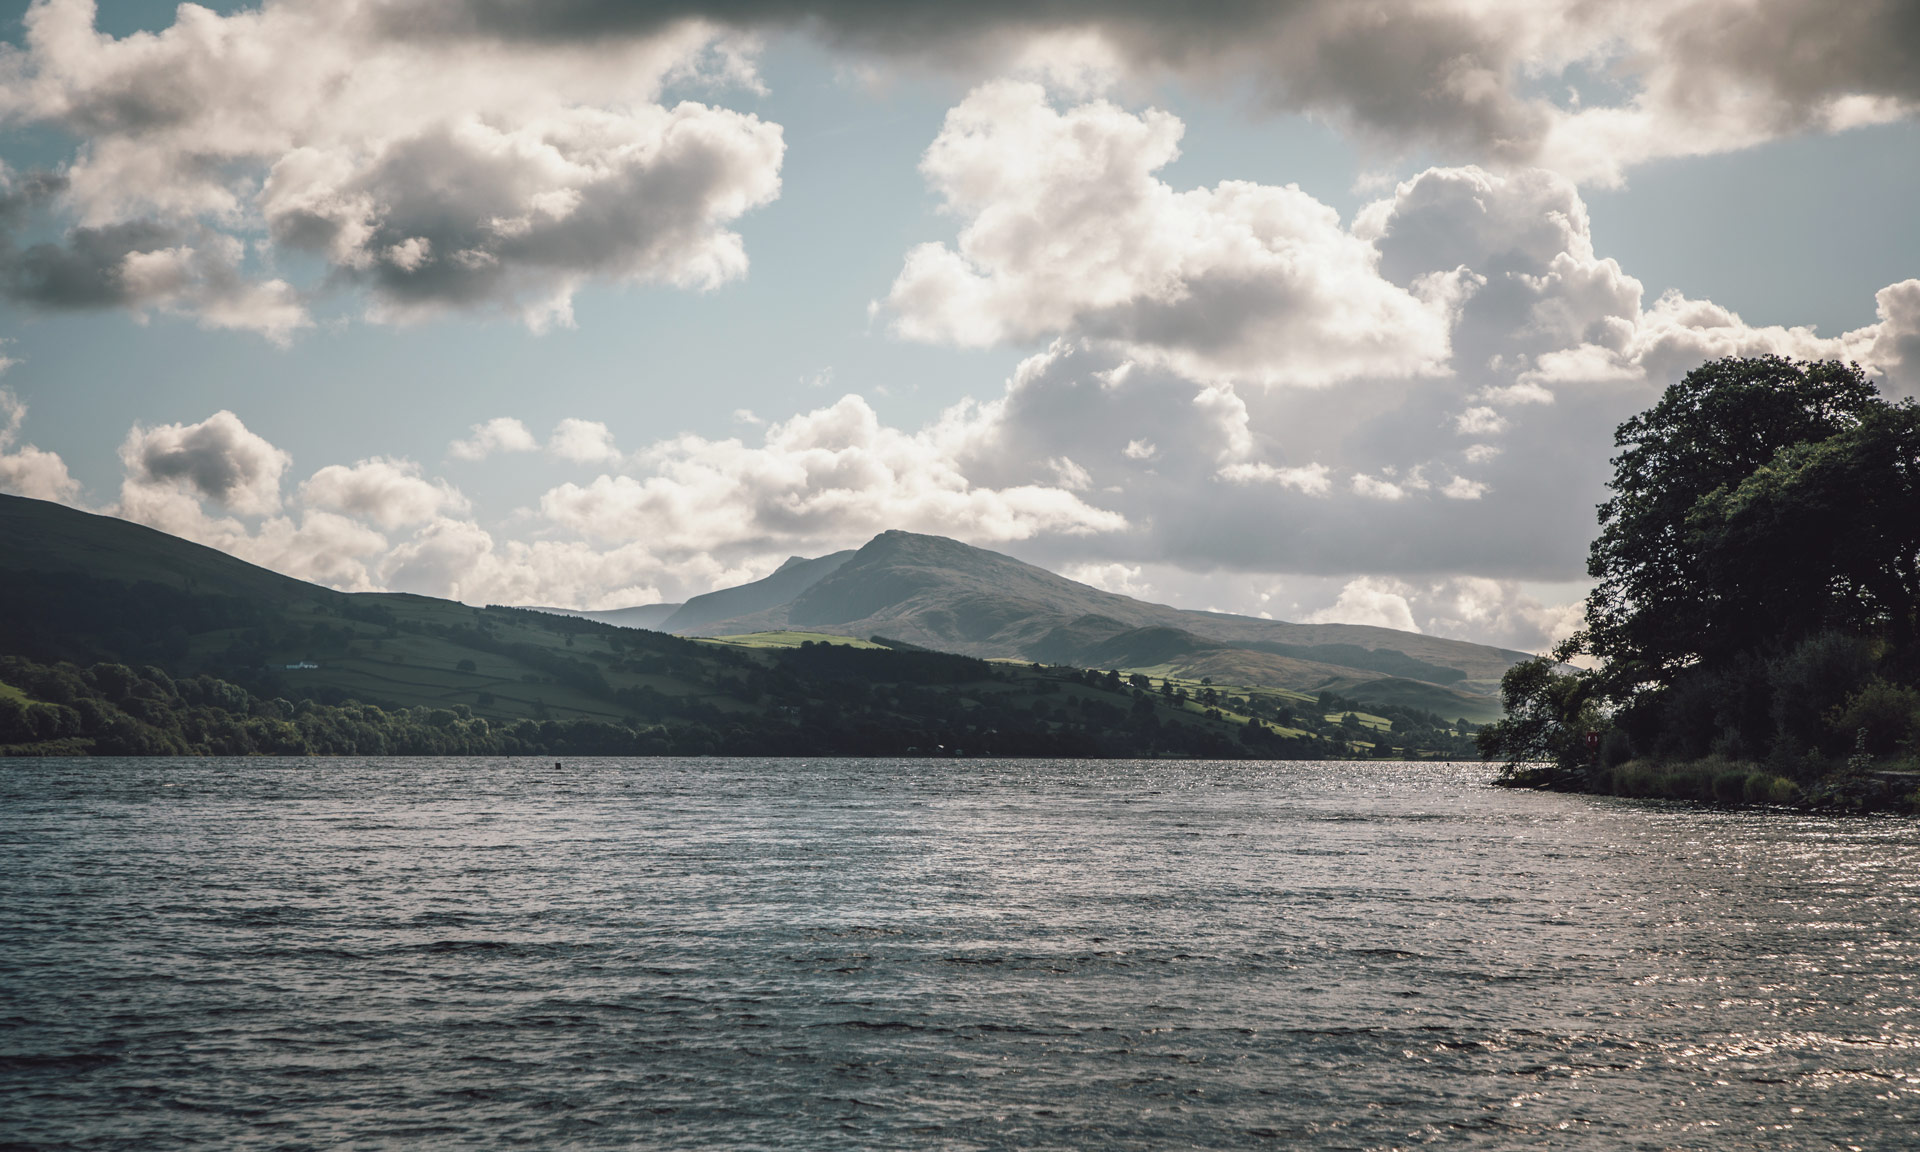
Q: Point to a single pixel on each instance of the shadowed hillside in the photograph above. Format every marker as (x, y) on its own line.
(118, 639)
(791, 579)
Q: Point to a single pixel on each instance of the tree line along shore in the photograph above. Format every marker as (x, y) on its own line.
(1753, 634)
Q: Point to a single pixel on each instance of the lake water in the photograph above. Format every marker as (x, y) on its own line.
(943, 954)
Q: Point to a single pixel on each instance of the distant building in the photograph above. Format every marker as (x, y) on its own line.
(302, 666)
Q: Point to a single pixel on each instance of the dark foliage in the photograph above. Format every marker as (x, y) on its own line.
(1758, 590)
(959, 709)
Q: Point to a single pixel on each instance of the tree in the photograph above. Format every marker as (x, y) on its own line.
(1541, 739)
(1825, 536)
(1758, 566)
(1657, 606)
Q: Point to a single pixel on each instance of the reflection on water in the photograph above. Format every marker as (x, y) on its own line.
(951, 954)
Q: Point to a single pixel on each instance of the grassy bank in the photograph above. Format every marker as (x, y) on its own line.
(1887, 787)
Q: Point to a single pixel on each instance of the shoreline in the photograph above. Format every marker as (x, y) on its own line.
(1732, 784)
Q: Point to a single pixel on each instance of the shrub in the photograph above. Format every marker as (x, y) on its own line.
(1888, 714)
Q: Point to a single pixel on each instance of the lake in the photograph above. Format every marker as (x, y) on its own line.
(952, 954)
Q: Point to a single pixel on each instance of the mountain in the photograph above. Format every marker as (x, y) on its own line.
(949, 596)
(117, 639)
(790, 580)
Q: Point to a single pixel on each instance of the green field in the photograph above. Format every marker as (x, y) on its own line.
(789, 640)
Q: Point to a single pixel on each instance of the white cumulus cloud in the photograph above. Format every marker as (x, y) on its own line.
(390, 493)
(435, 173)
(1369, 600)
(500, 434)
(1067, 229)
(583, 442)
(26, 470)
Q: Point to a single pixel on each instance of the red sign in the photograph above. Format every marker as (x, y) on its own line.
(1593, 739)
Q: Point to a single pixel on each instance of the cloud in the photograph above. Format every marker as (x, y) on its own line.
(322, 547)
(470, 214)
(1067, 231)
(1461, 488)
(391, 493)
(26, 470)
(218, 459)
(1497, 611)
(174, 473)
(500, 434)
(138, 264)
(1488, 81)
(1548, 313)
(434, 175)
(1122, 578)
(707, 512)
(1427, 481)
(1432, 497)
(1480, 421)
(1373, 488)
(1369, 600)
(1896, 338)
(496, 155)
(834, 475)
(1490, 466)
(583, 442)
(1069, 475)
(1721, 75)
(1313, 479)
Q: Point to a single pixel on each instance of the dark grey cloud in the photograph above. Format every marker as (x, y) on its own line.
(1455, 75)
(84, 269)
(1799, 52)
(437, 176)
(219, 459)
(1390, 68)
(139, 264)
(459, 220)
(464, 215)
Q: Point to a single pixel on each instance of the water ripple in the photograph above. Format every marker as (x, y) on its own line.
(950, 954)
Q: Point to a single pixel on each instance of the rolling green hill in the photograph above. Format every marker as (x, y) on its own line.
(950, 596)
(117, 638)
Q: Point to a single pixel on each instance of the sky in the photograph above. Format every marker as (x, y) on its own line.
(1314, 309)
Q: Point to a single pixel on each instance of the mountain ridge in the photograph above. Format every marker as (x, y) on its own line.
(947, 595)
(120, 640)
(924, 590)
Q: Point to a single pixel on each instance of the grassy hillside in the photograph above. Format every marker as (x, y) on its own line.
(790, 580)
(126, 640)
(947, 595)
(50, 540)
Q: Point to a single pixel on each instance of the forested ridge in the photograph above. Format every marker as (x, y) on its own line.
(828, 701)
(119, 640)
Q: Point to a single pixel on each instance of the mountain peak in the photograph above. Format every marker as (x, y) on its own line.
(945, 594)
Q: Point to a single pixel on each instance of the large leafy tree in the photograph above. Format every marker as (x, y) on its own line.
(1661, 603)
(1825, 537)
(1546, 716)
(1757, 570)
